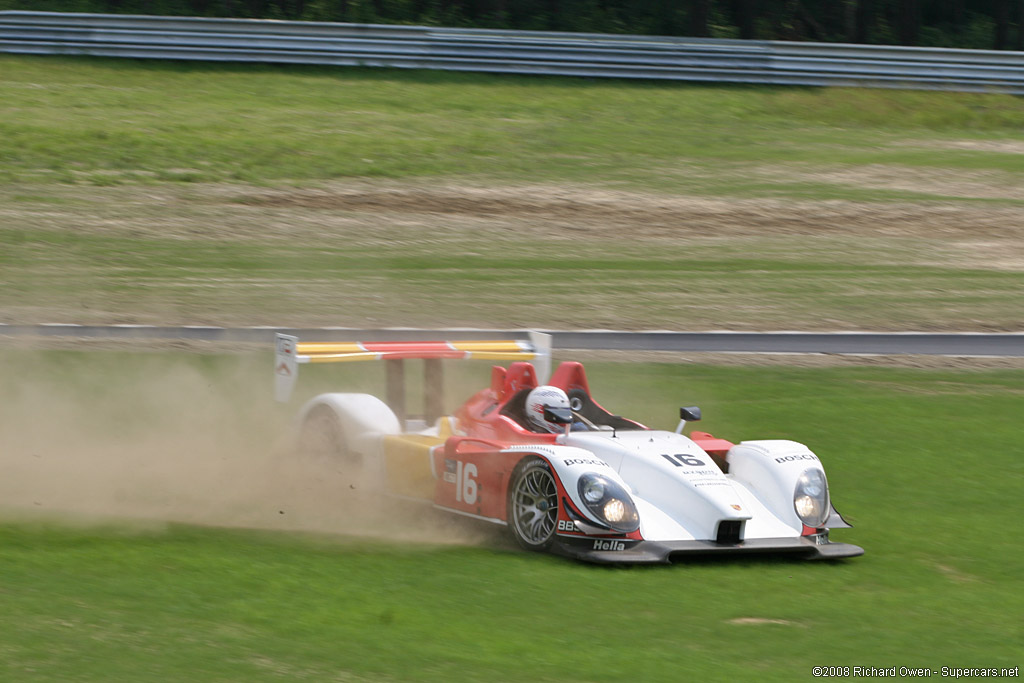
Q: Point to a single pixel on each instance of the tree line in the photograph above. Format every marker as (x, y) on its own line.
(979, 24)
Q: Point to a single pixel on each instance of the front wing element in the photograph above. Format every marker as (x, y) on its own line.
(626, 551)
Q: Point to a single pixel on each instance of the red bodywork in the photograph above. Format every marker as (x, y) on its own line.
(493, 412)
(472, 471)
(485, 416)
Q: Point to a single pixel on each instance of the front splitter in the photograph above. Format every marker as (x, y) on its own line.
(625, 551)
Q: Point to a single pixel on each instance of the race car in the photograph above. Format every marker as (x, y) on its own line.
(543, 458)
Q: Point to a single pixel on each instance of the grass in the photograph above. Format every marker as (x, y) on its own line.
(106, 168)
(927, 466)
(109, 121)
(137, 192)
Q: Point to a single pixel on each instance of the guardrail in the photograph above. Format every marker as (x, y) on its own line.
(962, 344)
(517, 52)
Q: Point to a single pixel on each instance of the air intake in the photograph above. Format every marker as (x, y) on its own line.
(729, 532)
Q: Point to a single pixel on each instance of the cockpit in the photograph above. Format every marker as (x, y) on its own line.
(588, 415)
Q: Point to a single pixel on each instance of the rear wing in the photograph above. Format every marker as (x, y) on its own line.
(290, 353)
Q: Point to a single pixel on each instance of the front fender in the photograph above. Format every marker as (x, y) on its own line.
(569, 464)
(770, 469)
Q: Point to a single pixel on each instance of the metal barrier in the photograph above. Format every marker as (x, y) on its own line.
(963, 344)
(517, 52)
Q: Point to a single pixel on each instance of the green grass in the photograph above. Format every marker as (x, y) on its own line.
(926, 465)
(111, 121)
(904, 201)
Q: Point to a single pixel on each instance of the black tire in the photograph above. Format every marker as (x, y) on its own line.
(533, 504)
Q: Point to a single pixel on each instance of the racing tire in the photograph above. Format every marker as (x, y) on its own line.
(322, 438)
(533, 504)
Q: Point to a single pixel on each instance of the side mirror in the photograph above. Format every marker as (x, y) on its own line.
(691, 414)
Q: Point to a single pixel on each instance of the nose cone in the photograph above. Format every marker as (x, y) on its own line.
(674, 474)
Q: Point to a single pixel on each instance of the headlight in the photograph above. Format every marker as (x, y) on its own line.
(614, 510)
(810, 498)
(609, 502)
(593, 492)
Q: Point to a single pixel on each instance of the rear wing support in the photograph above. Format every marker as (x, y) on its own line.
(290, 353)
(433, 390)
(395, 396)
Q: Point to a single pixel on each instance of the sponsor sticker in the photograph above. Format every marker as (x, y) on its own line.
(606, 544)
(584, 461)
(791, 458)
(449, 470)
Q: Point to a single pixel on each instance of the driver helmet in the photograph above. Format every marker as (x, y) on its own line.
(542, 397)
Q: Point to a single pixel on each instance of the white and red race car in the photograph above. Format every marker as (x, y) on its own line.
(602, 488)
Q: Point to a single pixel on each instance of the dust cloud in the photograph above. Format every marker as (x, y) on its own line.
(102, 437)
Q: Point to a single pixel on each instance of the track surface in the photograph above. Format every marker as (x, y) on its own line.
(840, 343)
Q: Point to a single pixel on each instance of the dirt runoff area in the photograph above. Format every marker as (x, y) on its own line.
(89, 275)
(424, 215)
(786, 248)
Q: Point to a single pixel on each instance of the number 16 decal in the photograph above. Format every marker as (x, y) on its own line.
(465, 483)
(680, 459)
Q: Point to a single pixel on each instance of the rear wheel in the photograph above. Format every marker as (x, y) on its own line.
(322, 438)
(533, 504)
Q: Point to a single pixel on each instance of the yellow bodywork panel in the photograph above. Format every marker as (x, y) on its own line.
(407, 458)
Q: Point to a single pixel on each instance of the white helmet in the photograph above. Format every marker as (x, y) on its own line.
(543, 397)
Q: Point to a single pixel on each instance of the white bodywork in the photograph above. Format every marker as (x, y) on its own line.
(363, 418)
(681, 494)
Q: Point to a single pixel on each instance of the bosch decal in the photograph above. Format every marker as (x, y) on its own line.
(584, 461)
(791, 458)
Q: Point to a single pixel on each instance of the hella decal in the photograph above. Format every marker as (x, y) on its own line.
(601, 544)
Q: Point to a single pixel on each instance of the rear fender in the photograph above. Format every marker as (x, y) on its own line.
(364, 420)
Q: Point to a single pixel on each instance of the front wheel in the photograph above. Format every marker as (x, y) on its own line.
(533, 504)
